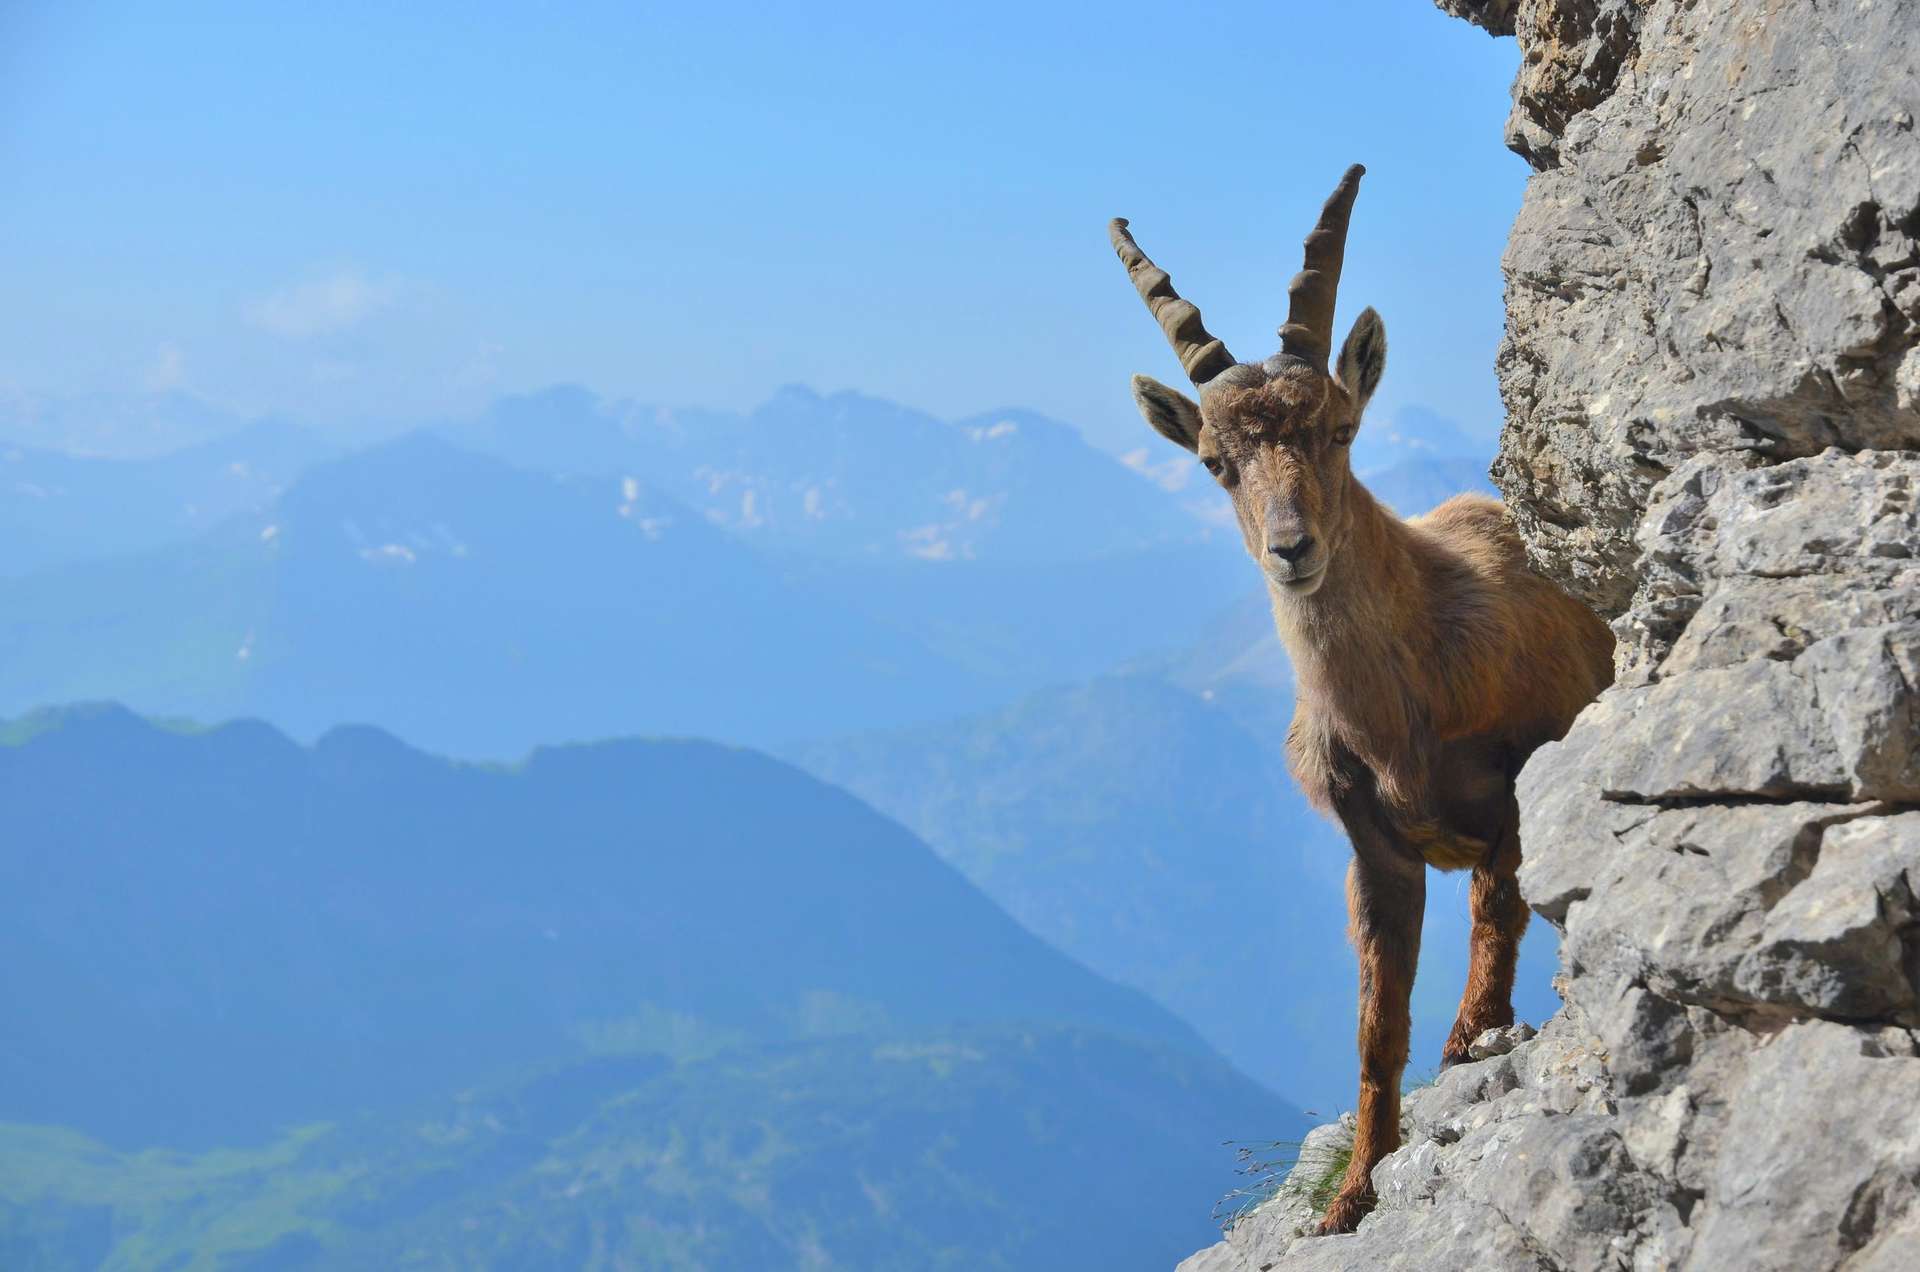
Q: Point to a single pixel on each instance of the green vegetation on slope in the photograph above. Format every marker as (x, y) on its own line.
(709, 1013)
(970, 1149)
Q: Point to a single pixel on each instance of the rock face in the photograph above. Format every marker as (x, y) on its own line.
(1712, 378)
(1716, 257)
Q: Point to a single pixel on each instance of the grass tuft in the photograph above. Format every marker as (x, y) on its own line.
(1308, 1171)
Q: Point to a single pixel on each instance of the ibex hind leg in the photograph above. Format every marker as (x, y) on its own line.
(1499, 921)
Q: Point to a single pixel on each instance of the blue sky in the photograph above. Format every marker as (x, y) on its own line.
(364, 216)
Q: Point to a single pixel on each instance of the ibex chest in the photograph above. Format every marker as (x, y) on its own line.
(1446, 798)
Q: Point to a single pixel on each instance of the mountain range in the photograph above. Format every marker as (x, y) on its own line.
(1001, 542)
(471, 605)
(850, 478)
(564, 567)
(58, 508)
(481, 606)
(669, 996)
(1053, 667)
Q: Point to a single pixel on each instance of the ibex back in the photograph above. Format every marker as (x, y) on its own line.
(1429, 661)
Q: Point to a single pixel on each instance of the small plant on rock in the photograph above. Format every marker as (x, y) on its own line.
(1304, 1173)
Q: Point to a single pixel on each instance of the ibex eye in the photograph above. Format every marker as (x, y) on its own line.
(1211, 464)
(1343, 434)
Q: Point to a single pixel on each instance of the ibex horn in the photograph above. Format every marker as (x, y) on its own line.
(1308, 333)
(1200, 354)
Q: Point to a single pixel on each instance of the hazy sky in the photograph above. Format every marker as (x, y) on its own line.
(353, 214)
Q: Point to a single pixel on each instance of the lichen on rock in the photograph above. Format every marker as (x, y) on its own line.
(1712, 379)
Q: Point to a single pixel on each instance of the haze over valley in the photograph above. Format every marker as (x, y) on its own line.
(597, 669)
(1056, 667)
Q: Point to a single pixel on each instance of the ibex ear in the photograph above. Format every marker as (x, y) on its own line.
(1173, 414)
(1363, 358)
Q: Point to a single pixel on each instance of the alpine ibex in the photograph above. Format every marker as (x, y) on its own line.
(1429, 662)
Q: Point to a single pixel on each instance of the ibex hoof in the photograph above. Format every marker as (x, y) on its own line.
(1345, 1214)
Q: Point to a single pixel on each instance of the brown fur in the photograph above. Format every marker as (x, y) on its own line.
(1429, 661)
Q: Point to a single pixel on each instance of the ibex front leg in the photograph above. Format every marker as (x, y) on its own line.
(1386, 895)
(1499, 921)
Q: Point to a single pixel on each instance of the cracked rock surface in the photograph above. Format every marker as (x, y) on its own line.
(1717, 253)
(1712, 379)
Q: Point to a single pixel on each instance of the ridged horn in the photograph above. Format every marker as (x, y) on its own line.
(1200, 354)
(1308, 333)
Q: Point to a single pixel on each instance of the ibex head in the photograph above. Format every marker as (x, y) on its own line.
(1273, 433)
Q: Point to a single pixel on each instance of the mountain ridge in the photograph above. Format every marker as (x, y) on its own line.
(410, 854)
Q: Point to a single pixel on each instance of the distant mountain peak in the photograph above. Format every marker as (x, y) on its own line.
(571, 398)
(798, 393)
(101, 715)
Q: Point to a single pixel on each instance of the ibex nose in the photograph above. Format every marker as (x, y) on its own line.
(1291, 551)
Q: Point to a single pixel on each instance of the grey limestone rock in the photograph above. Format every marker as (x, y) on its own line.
(1717, 255)
(1498, 1042)
(1495, 16)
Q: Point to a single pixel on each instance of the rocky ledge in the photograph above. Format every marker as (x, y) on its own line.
(1734, 1081)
